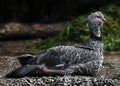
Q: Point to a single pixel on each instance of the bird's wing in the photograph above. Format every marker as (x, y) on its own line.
(26, 70)
(24, 58)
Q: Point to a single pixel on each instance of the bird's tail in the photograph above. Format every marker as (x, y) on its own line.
(26, 70)
(24, 58)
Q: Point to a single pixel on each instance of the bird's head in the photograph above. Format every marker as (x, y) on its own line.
(95, 21)
(96, 16)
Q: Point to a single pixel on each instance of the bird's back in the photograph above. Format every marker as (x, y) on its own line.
(71, 55)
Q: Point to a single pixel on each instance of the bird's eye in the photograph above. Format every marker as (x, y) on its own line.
(99, 17)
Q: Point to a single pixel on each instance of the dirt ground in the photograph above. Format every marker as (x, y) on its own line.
(9, 51)
(111, 66)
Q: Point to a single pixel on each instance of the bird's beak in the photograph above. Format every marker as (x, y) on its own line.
(104, 20)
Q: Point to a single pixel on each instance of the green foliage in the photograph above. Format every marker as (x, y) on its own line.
(77, 32)
(111, 29)
(74, 32)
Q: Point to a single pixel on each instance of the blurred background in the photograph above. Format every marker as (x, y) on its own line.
(29, 26)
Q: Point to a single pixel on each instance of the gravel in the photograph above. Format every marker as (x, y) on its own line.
(59, 81)
(108, 76)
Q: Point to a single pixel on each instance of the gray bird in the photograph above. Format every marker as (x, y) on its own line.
(68, 59)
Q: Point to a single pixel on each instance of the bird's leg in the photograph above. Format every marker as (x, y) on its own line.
(58, 71)
(1, 62)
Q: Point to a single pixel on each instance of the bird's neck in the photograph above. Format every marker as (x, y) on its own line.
(96, 44)
(95, 41)
(95, 37)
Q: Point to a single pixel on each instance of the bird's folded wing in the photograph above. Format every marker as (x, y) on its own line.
(83, 46)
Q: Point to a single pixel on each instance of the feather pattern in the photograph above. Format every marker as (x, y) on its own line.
(77, 58)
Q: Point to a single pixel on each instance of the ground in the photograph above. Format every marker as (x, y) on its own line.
(111, 66)
(109, 75)
(10, 50)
